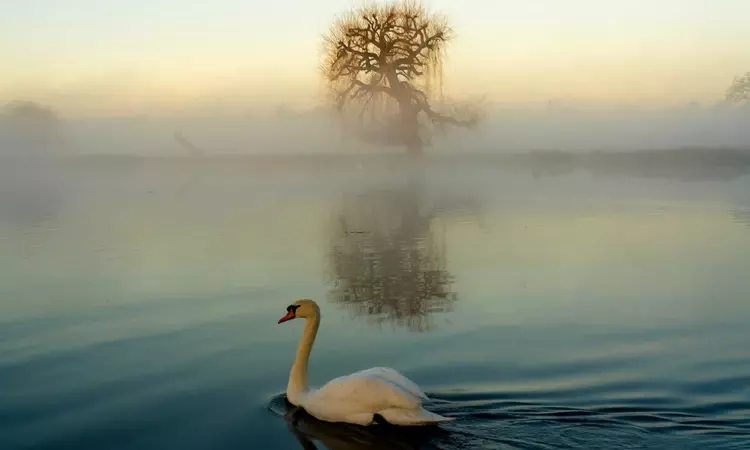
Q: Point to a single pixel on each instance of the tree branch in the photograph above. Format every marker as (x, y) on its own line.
(440, 119)
(380, 53)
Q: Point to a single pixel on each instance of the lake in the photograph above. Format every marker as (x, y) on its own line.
(576, 310)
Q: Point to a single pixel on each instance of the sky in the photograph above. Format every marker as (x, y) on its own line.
(162, 57)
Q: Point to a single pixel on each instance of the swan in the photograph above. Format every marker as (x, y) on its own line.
(356, 398)
(310, 432)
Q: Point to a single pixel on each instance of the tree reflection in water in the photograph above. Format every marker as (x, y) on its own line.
(388, 258)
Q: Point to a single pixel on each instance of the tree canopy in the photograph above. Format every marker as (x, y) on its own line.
(30, 128)
(383, 64)
(27, 113)
(740, 89)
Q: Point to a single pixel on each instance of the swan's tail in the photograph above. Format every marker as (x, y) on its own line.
(420, 416)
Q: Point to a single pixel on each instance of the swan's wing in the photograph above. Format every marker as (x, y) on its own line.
(363, 391)
(392, 376)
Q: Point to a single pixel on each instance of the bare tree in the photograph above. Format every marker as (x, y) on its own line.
(383, 63)
(740, 89)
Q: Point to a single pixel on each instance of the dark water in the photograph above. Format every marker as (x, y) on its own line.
(138, 305)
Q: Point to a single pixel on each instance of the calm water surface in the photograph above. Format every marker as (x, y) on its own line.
(138, 305)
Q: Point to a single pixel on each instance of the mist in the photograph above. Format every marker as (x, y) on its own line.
(688, 143)
(571, 129)
(310, 131)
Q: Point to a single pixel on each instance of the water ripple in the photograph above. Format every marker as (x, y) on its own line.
(488, 420)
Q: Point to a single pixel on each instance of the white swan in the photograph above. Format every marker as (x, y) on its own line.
(354, 398)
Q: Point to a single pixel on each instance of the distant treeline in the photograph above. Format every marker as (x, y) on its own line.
(681, 163)
(684, 163)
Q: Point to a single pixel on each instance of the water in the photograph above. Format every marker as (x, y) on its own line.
(578, 311)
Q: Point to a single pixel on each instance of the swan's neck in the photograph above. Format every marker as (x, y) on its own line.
(297, 386)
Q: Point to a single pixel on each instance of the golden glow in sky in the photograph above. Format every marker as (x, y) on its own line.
(165, 56)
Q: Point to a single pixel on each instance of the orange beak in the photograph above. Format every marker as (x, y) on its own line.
(288, 316)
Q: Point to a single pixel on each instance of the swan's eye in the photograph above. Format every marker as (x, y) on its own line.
(292, 308)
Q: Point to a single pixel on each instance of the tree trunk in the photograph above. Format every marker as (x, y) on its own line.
(410, 130)
(415, 149)
(409, 126)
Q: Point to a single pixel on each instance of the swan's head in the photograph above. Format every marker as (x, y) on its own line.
(301, 309)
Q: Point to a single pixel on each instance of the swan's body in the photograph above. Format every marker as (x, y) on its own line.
(355, 398)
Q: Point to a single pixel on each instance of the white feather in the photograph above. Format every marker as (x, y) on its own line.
(358, 397)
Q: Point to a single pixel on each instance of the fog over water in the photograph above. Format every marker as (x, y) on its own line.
(556, 278)
(544, 302)
(538, 212)
(317, 130)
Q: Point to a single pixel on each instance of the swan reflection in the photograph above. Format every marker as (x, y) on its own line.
(314, 434)
(388, 258)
